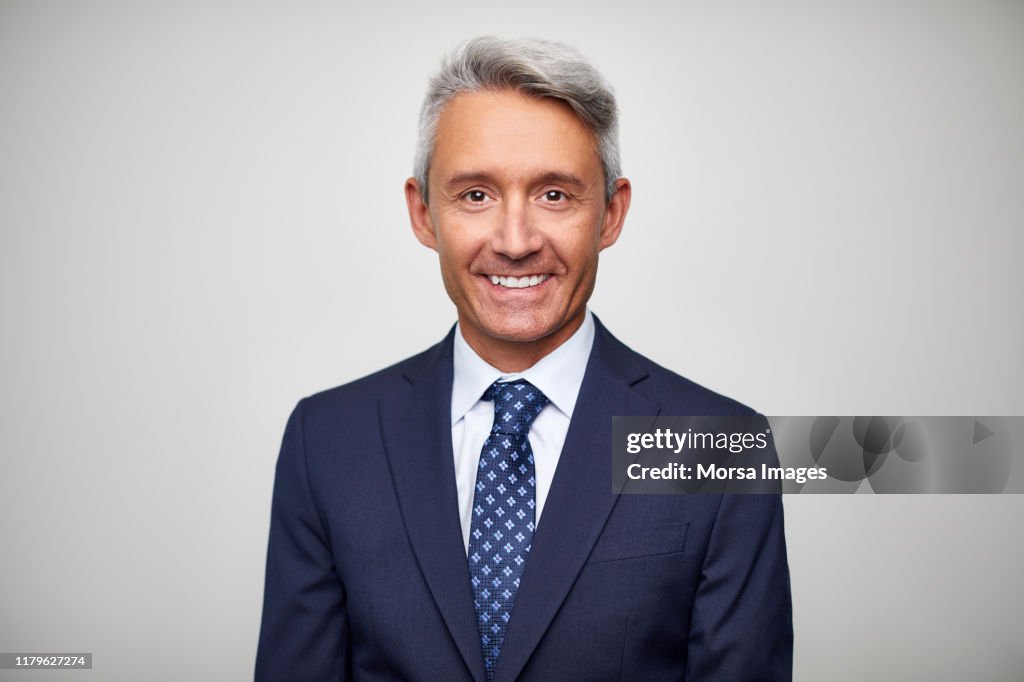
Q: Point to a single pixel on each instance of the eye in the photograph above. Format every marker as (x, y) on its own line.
(555, 196)
(475, 196)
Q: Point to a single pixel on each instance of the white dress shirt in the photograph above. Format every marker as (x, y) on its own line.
(558, 375)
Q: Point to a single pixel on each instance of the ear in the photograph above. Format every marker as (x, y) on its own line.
(615, 213)
(419, 215)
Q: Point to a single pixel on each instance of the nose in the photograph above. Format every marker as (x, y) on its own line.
(515, 236)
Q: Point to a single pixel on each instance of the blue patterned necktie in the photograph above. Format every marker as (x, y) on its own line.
(504, 502)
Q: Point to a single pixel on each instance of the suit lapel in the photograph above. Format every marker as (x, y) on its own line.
(580, 498)
(416, 427)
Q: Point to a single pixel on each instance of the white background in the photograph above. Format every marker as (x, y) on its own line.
(201, 221)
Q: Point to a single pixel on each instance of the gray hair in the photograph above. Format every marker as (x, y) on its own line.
(536, 68)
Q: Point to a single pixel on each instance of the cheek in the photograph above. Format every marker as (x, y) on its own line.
(459, 239)
(456, 257)
(577, 248)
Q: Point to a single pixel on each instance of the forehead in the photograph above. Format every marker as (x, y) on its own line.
(508, 132)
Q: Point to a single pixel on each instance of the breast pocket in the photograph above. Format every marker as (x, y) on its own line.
(635, 543)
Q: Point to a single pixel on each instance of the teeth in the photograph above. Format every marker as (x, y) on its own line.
(518, 282)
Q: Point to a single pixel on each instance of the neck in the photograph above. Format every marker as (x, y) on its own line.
(516, 356)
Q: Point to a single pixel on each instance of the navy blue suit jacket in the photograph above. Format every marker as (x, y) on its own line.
(366, 569)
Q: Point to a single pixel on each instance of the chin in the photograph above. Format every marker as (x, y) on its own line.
(518, 334)
(522, 330)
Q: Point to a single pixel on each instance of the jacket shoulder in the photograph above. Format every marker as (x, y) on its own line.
(679, 395)
(368, 389)
(675, 393)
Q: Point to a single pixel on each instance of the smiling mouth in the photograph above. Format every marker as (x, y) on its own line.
(518, 282)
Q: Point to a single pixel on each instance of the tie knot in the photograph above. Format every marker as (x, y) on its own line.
(516, 405)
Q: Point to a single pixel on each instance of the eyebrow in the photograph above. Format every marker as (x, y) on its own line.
(556, 177)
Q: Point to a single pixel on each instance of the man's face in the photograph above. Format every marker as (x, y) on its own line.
(517, 214)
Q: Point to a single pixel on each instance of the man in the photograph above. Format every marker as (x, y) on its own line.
(452, 517)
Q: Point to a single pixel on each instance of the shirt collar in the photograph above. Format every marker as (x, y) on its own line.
(558, 375)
